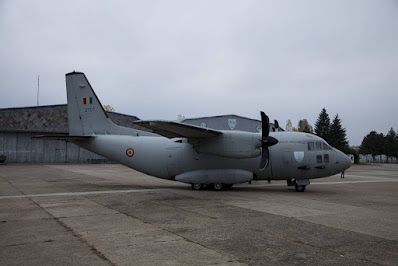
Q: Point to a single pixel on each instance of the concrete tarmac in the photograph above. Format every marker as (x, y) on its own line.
(112, 215)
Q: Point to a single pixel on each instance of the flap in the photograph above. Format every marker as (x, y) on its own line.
(171, 129)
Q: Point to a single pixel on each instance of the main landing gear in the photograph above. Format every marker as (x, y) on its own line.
(215, 186)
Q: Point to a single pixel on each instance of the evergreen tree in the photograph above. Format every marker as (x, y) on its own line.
(337, 136)
(372, 144)
(322, 125)
(391, 144)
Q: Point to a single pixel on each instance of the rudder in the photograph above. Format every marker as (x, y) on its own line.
(86, 116)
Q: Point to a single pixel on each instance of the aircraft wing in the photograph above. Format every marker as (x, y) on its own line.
(171, 129)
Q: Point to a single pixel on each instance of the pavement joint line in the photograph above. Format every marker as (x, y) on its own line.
(80, 193)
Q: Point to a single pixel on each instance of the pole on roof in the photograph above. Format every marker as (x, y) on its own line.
(38, 88)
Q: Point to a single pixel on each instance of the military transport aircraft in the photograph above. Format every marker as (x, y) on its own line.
(202, 157)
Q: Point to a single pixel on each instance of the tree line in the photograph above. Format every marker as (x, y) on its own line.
(376, 144)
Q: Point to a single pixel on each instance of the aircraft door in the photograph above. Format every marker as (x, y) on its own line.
(287, 159)
(172, 162)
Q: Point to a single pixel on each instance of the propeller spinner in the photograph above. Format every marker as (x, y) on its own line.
(266, 141)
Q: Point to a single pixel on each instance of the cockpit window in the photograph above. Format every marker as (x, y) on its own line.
(326, 147)
(326, 158)
(318, 146)
(310, 146)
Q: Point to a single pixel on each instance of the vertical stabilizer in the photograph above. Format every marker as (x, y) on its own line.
(86, 116)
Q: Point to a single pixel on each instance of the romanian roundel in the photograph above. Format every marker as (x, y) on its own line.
(130, 152)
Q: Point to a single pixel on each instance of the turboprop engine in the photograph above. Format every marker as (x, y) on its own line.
(240, 144)
(233, 144)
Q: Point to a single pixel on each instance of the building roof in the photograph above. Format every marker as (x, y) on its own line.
(48, 119)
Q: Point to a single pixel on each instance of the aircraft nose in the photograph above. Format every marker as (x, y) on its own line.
(346, 161)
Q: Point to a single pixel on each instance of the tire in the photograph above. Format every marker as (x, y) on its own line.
(300, 188)
(217, 186)
(228, 186)
(196, 186)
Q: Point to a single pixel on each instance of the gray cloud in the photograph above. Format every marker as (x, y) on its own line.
(156, 59)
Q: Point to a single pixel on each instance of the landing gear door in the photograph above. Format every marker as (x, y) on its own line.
(282, 164)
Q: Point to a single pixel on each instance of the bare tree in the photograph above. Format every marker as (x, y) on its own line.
(109, 108)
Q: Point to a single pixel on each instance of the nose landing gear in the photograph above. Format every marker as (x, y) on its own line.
(300, 188)
(299, 184)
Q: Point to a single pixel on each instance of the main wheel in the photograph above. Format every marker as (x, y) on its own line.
(217, 186)
(300, 188)
(196, 186)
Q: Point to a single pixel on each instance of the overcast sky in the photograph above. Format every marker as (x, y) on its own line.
(158, 59)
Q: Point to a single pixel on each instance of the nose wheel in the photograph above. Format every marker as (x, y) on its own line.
(299, 184)
(300, 188)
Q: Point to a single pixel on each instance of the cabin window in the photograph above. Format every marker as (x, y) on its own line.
(319, 159)
(326, 147)
(326, 158)
(310, 146)
(318, 146)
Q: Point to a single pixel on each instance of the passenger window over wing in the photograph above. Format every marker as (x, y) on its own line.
(310, 146)
(319, 159)
(326, 158)
(318, 146)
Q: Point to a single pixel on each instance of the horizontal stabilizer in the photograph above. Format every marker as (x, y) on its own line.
(171, 129)
(62, 137)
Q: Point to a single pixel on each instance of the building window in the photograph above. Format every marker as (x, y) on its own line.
(310, 146)
(326, 158)
(319, 159)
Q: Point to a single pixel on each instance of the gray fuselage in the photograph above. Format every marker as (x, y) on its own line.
(297, 155)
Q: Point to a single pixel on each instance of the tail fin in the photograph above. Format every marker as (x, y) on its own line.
(86, 116)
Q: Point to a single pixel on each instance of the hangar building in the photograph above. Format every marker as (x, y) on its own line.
(19, 125)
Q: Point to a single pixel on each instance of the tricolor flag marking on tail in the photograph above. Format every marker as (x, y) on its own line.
(88, 100)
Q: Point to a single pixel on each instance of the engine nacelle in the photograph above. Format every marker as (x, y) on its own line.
(231, 144)
(223, 176)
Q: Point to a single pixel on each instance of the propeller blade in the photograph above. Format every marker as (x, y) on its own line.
(266, 140)
(264, 158)
(276, 124)
(264, 125)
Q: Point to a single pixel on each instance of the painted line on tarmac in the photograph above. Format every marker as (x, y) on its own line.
(81, 193)
(326, 183)
(163, 189)
(363, 176)
(353, 182)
